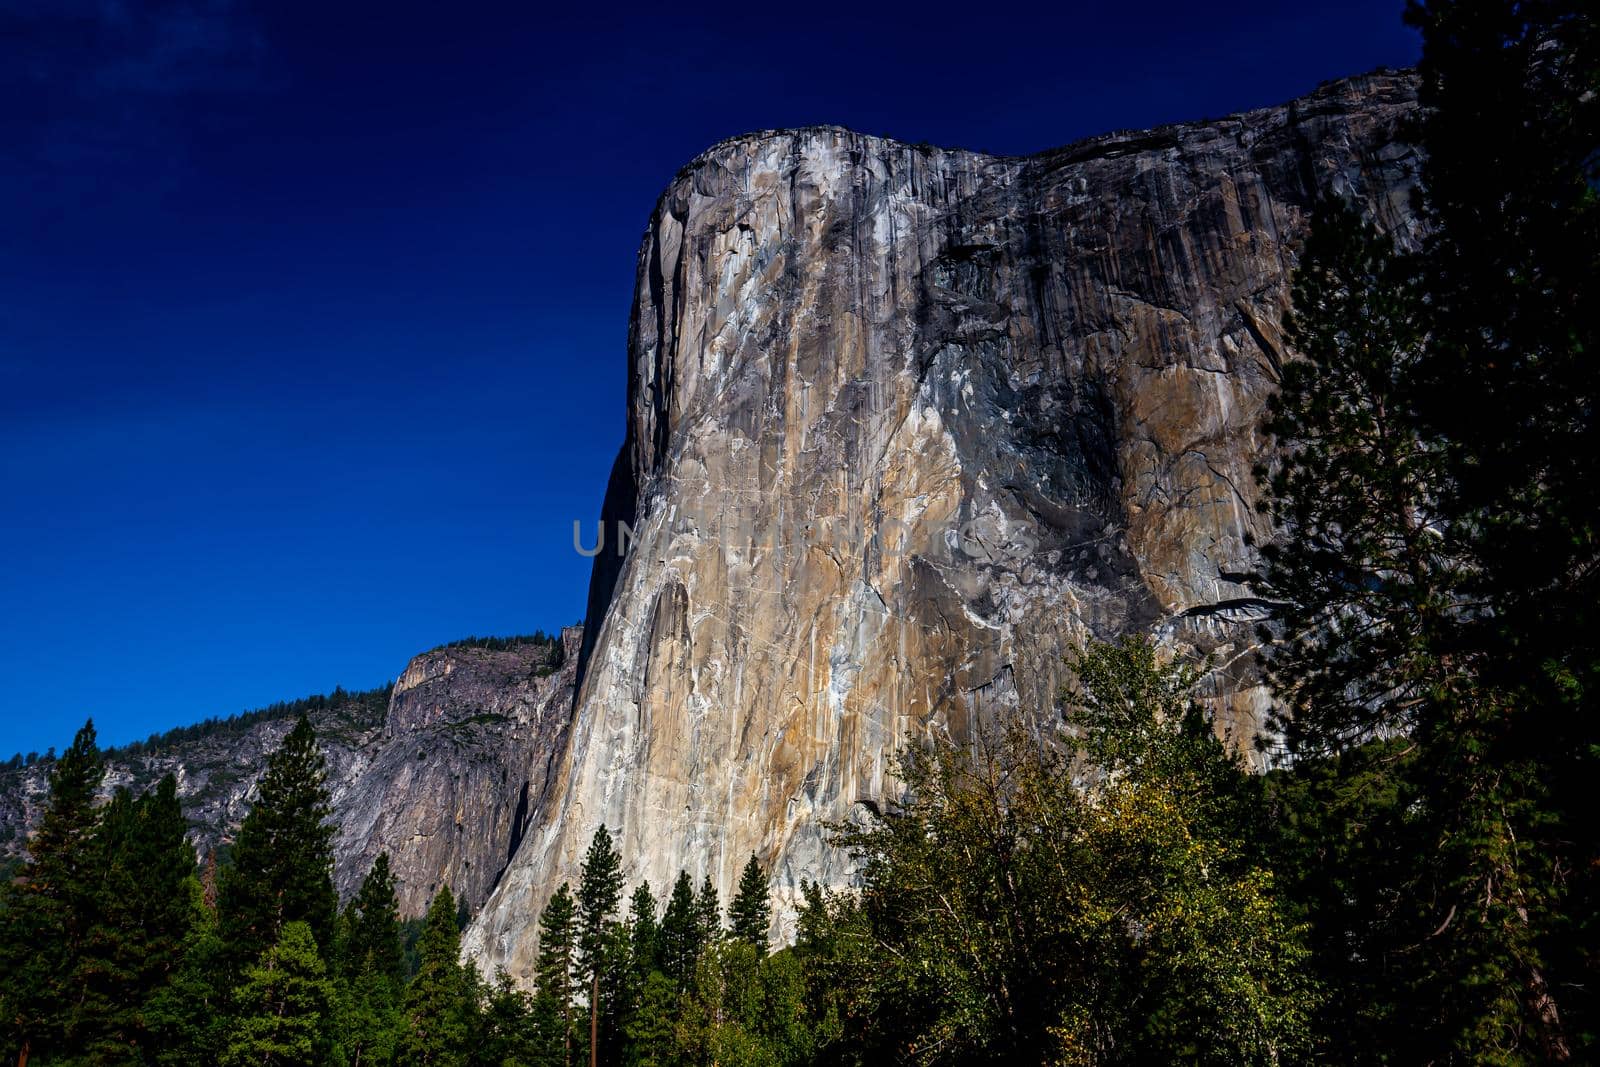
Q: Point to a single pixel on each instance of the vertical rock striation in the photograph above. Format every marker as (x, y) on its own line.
(903, 424)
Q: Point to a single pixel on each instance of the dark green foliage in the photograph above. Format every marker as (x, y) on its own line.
(1008, 913)
(507, 1035)
(48, 913)
(644, 930)
(751, 913)
(142, 912)
(680, 933)
(1511, 272)
(187, 1014)
(500, 644)
(599, 893)
(1364, 572)
(283, 1010)
(438, 1011)
(282, 869)
(1439, 570)
(557, 968)
(373, 942)
(708, 913)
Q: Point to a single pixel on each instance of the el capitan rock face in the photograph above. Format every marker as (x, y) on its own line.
(905, 423)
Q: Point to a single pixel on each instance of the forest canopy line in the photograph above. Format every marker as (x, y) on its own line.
(1412, 880)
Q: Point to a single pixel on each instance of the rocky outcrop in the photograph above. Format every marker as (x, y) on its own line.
(463, 761)
(904, 423)
(442, 774)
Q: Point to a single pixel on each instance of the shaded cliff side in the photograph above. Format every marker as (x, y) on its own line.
(904, 423)
(443, 773)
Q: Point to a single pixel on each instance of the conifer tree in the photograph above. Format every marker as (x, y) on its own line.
(282, 869)
(644, 931)
(553, 997)
(186, 1016)
(47, 912)
(374, 944)
(436, 1027)
(751, 912)
(507, 1037)
(680, 933)
(142, 913)
(708, 913)
(599, 893)
(283, 1009)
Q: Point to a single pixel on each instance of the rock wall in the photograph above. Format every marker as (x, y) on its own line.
(445, 778)
(903, 424)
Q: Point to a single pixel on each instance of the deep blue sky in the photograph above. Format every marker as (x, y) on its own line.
(312, 315)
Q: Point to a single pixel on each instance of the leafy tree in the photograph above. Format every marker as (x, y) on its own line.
(1011, 912)
(751, 911)
(746, 1007)
(599, 893)
(680, 933)
(47, 912)
(283, 1009)
(436, 1026)
(282, 869)
(1509, 387)
(553, 998)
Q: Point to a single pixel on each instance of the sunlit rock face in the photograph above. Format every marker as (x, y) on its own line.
(904, 424)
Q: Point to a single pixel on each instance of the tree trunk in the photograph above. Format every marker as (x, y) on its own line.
(594, 1018)
(22, 1057)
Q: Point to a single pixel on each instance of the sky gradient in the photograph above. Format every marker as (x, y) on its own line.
(312, 316)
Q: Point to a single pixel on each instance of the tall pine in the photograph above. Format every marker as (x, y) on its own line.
(599, 893)
(142, 912)
(282, 869)
(680, 933)
(554, 994)
(283, 1009)
(437, 1023)
(47, 912)
(751, 911)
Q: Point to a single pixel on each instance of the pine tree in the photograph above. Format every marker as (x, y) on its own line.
(644, 931)
(751, 912)
(1511, 388)
(47, 913)
(708, 913)
(374, 968)
(282, 869)
(284, 1007)
(374, 944)
(599, 893)
(1363, 572)
(680, 933)
(186, 1016)
(142, 914)
(507, 1036)
(436, 1027)
(553, 997)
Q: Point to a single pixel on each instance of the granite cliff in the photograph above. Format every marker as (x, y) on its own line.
(904, 423)
(442, 770)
